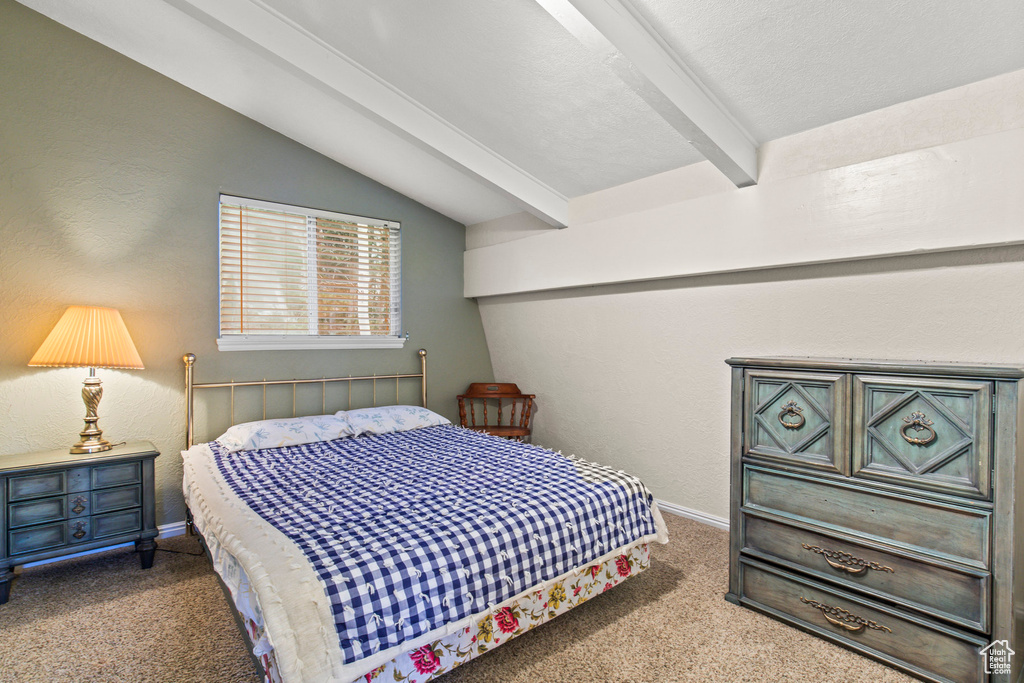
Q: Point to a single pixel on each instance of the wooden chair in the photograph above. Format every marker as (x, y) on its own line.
(507, 404)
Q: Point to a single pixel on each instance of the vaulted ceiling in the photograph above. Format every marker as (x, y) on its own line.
(483, 108)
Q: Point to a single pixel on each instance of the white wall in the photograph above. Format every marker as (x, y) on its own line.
(632, 374)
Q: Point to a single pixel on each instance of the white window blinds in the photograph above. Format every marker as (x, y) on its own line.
(292, 277)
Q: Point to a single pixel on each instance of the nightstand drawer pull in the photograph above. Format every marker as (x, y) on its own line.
(847, 620)
(793, 409)
(837, 559)
(79, 530)
(79, 505)
(919, 423)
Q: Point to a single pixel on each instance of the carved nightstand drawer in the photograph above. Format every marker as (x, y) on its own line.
(36, 538)
(116, 499)
(943, 590)
(36, 512)
(116, 475)
(114, 523)
(950, 532)
(926, 648)
(36, 486)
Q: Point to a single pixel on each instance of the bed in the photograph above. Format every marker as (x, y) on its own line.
(386, 543)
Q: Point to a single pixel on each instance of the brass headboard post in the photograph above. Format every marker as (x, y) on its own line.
(190, 386)
(190, 360)
(423, 372)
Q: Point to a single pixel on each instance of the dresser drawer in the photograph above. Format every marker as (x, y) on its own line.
(951, 532)
(113, 523)
(116, 499)
(960, 596)
(924, 433)
(105, 476)
(36, 512)
(797, 418)
(36, 485)
(34, 538)
(926, 648)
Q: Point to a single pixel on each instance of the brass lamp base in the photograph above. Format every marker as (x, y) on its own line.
(92, 446)
(92, 436)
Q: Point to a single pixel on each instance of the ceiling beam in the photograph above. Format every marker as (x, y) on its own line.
(312, 59)
(634, 51)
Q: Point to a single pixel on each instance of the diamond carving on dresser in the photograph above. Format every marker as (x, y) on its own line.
(894, 444)
(792, 419)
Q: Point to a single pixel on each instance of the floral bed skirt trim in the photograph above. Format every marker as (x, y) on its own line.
(500, 624)
(513, 618)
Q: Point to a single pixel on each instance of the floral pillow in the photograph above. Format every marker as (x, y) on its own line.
(292, 431)
(391, 419)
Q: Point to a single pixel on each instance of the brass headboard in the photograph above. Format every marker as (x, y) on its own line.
(190, 387)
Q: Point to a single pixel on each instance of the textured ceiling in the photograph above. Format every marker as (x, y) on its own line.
(503, 95)
(786, 66)
(510, 76)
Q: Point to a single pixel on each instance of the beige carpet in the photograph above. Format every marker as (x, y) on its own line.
(100, 618)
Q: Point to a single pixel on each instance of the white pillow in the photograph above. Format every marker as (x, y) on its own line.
(391, 419)
(290, 431)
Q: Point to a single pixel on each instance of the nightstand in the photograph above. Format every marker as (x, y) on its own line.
(54, 503)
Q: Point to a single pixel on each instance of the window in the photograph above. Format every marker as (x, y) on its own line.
(296, 278)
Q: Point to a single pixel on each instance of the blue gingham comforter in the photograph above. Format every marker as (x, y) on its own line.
(412, 530)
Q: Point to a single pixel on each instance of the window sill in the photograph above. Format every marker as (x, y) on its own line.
(303, 343)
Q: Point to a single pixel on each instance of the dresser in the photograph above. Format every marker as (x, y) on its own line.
(878, 504)
(54, 503)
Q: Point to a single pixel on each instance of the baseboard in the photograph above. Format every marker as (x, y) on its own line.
(695, 515)
(166, 531)
(172, 529)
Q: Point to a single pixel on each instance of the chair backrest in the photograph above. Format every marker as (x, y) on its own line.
(497, 407)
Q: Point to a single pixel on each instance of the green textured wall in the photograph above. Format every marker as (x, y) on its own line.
(109, 179)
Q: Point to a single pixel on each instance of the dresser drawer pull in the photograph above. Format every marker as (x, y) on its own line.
(919, 423)
(840, 617)
(838, 559)
(793, 409)
(79, 505)
(79, 530)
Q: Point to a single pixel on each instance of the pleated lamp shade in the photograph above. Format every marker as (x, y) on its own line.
(88, 337)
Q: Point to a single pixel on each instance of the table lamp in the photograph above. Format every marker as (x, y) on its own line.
(89, 337)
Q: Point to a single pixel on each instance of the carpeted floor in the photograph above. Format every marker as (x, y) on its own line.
(100, 618)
